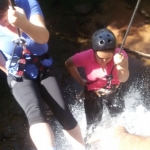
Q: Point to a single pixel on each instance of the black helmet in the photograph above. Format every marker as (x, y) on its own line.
(103, 39)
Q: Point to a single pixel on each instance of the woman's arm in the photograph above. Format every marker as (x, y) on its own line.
(3, 63)
(122, 67)
(35, 27)
(117, 138)
(133, 142)
(74, 72)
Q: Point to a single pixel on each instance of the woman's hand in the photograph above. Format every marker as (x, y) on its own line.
(109, 138)
(83, 82)
(34, 27)
(17, 17)
(120, 60)
(3, 63)
(121, 64)
(108, 134)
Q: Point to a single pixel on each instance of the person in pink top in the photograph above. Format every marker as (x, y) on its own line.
(105, 68)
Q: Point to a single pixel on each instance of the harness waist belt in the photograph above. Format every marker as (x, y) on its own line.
(29, 59)
(106, 91)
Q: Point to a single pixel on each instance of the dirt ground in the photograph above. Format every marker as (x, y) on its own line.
(138, 38)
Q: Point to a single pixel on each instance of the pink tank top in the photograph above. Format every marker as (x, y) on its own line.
(93, 71)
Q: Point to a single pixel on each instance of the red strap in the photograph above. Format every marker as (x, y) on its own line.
(35, 60)
(21, 63)
(25, 51)
(20, 73)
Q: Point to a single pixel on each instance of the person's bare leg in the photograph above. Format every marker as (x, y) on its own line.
(42, 136)
(75, 137)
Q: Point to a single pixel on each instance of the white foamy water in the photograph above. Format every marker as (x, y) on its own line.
(135, 118)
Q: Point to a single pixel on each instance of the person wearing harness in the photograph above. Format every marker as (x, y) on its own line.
(105, 70)
(30, 73)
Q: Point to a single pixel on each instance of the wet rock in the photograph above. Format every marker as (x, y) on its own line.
(147, 21)
(1, 134)
(56, 3)
(144, 13)
(130, 4)
(83, 8)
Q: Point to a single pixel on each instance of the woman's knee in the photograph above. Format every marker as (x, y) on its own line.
(68, 122)
(28, 96)
(36, 114)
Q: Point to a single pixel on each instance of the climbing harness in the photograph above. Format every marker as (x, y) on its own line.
(27, 58)
(20, 62)
(110, 76)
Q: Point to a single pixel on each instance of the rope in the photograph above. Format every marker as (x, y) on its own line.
(11, 3)
(127, 31)
(18, 31)
(130, 23)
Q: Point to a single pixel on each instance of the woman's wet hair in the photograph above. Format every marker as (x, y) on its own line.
(3, 7)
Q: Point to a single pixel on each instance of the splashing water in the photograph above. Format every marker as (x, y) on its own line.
(134, 118)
